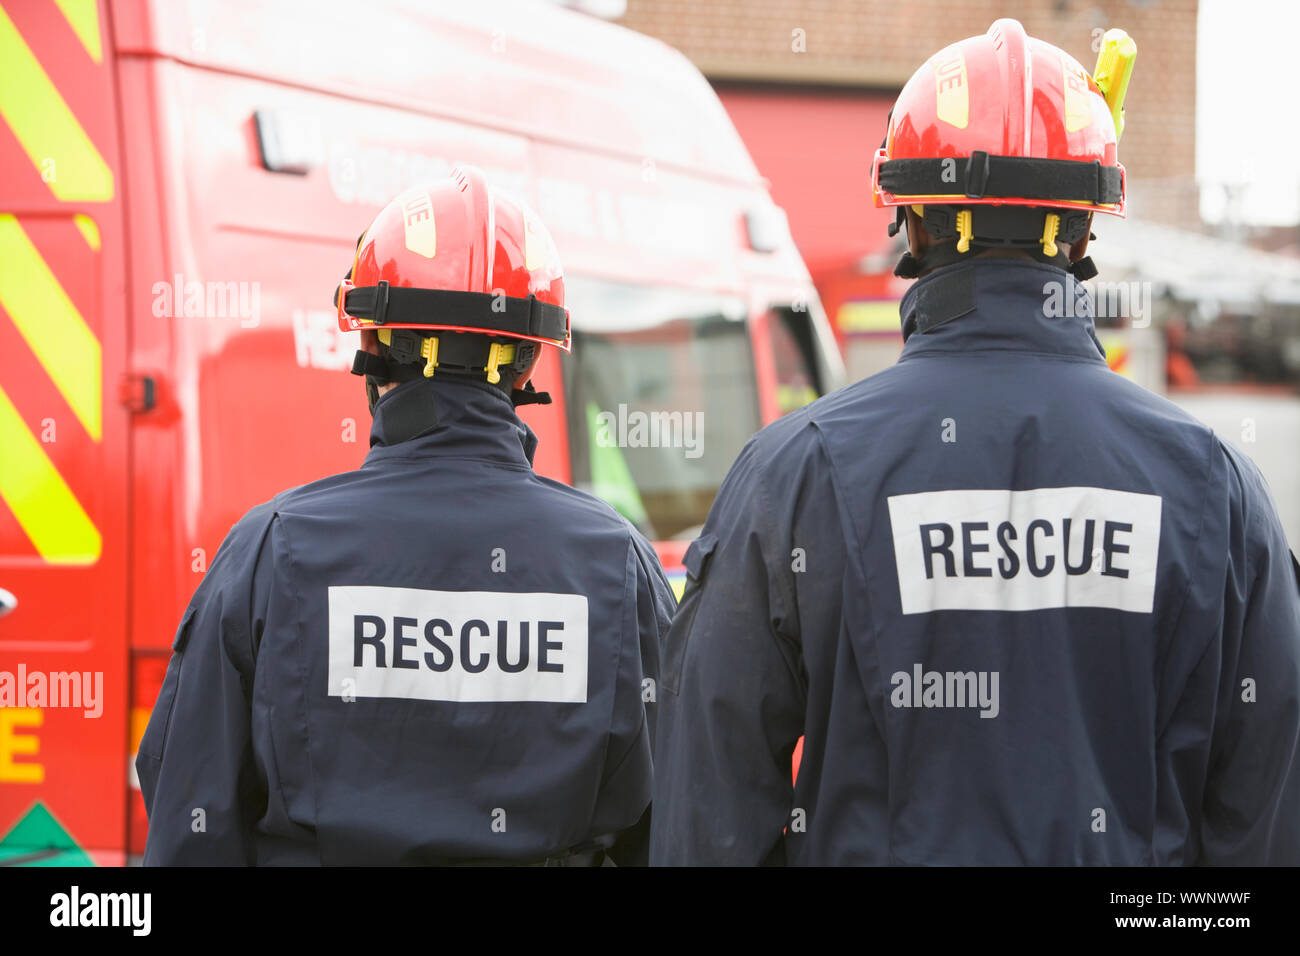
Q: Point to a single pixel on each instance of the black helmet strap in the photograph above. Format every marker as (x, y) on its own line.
(383, 304)
(983, 175)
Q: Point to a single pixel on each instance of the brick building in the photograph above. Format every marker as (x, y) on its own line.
(809, 84)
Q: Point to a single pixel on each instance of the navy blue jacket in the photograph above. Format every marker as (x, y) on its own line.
(438, 657)
(1021, 611)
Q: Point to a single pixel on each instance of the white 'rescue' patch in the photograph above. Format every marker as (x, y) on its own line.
(457, 645)
(996, 550)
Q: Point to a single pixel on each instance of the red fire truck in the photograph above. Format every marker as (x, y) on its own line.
(181, 187)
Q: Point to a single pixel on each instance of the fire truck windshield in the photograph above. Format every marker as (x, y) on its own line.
(661, 396)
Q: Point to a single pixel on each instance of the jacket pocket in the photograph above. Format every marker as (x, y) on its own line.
(155, 734)
(696, 562)
(183, 632)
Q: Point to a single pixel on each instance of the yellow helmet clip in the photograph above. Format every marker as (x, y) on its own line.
(965, 230)
(498, 354)
(1051, 226)
(429, 352)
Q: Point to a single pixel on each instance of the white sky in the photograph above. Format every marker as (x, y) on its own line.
(1248, 108)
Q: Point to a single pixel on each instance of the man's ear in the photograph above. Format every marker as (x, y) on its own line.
(370, 343)
(918, 240)
(523, 377)
(1079, 248)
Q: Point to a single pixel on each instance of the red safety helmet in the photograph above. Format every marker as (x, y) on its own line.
(1005, 140)
(458, 256)
(455, 257)
(1024, 120)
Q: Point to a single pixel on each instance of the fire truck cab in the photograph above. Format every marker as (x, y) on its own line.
(182, 188)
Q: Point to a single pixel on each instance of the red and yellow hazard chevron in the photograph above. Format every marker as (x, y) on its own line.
(42, 121)
(51, 324)
(30, 484)
(33, 299)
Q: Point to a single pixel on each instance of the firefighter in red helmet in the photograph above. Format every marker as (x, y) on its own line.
(1020, 610)
(1004, 143)
(441, 657)
(494, 295)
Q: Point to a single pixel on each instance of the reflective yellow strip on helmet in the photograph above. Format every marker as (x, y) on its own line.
(51, 324)
(536, 253)
(45, 125)
(1078, 98)
(952, 93)
(39, 498)
(417, 223)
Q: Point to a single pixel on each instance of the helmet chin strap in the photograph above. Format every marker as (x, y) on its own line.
(464, 355)
(936, 257)
(529, 396)
(1030, 230)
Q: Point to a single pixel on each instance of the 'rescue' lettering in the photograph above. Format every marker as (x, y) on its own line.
(937, 541)
(457, 645)
(1025, 550)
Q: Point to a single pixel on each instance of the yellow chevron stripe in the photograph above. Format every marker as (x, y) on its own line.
(83, 17)
(40, 499)
(51, 324)
(88, 230)
(44, 124)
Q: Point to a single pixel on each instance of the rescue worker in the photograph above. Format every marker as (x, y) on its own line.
(441, 657)
(1019, 609)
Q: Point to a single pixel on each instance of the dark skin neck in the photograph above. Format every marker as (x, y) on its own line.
(918, 241)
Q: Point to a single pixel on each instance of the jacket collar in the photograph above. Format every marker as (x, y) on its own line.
(449, 416)
(1000, 304)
